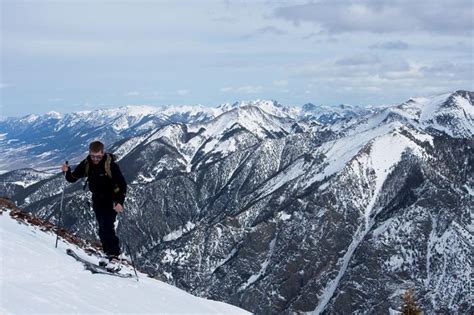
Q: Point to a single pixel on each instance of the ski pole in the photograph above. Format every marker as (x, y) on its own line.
(131, 258)
(60, 212)
(129, 252)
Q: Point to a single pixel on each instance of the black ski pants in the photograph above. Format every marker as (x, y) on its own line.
(106, 215)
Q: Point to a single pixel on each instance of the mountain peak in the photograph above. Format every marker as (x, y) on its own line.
(30, 118)
(451, 113)
(464, 93)
(140, 110)
(257, 103)
(53, 114)
(309, 107)
(269, 106)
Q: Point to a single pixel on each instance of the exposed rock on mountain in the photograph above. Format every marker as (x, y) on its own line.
(281, 214)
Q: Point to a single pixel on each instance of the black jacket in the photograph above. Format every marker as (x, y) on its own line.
(102, 186)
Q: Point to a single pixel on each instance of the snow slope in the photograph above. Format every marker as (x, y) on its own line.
(451, 113)
(38, 278)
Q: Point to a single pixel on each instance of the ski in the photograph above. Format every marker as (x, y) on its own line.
(94, 268)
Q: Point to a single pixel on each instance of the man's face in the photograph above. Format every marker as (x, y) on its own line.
(96, 156)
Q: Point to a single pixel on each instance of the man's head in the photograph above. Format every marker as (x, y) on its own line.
(96, 151)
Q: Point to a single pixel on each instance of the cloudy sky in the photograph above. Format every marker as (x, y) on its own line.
(69, 55)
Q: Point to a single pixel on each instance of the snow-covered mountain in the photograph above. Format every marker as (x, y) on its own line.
(44, 141)
(271, 107)
(451, 113)
(332, 114)
(38, 278)
(13, 182)
(280, 213)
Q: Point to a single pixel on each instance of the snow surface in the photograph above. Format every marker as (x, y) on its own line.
(129, 145)
(293, 171)
(38, 278)
(431, 109)
(430, 105)
(192, 110)
(251, 118)
(53, 114)
(178, 233)
(253, 278)
(384, 154)
(269, 106)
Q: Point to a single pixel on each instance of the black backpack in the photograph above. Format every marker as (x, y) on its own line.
(108, 161)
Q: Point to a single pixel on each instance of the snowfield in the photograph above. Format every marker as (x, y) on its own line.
(38, 278)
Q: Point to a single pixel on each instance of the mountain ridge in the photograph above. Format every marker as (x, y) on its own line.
(295, 221)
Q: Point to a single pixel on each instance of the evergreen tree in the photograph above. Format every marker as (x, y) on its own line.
(409, 305)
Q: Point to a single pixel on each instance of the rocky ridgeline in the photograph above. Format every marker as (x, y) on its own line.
(279, 215)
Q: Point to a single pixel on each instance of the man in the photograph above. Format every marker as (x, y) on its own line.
(108, 188)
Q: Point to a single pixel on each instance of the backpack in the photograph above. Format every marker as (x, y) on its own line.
(108, 160)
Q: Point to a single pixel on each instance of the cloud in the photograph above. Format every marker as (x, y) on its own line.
(383, 16)
(232, 63)
(225, 19)
(122, 28)
(248, 89)
(459, 46)
(397, 44)
(280, 83)
(448, 70)
(267, 30)
(358, 69)
(87, 105)
(334, 44)
(132, 93)
(56, 99)
(387, 77)
(318, 39)
(358, 60)
(182, 92)
(157, 95)
(227, 89)
(270, 30)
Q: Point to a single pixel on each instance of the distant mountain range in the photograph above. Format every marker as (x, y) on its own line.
(43, 141)
(278, 209)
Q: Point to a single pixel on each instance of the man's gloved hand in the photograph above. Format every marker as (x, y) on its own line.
(118, 208)
(65, 167)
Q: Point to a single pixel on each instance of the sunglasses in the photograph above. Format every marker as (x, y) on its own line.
(96, 157)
